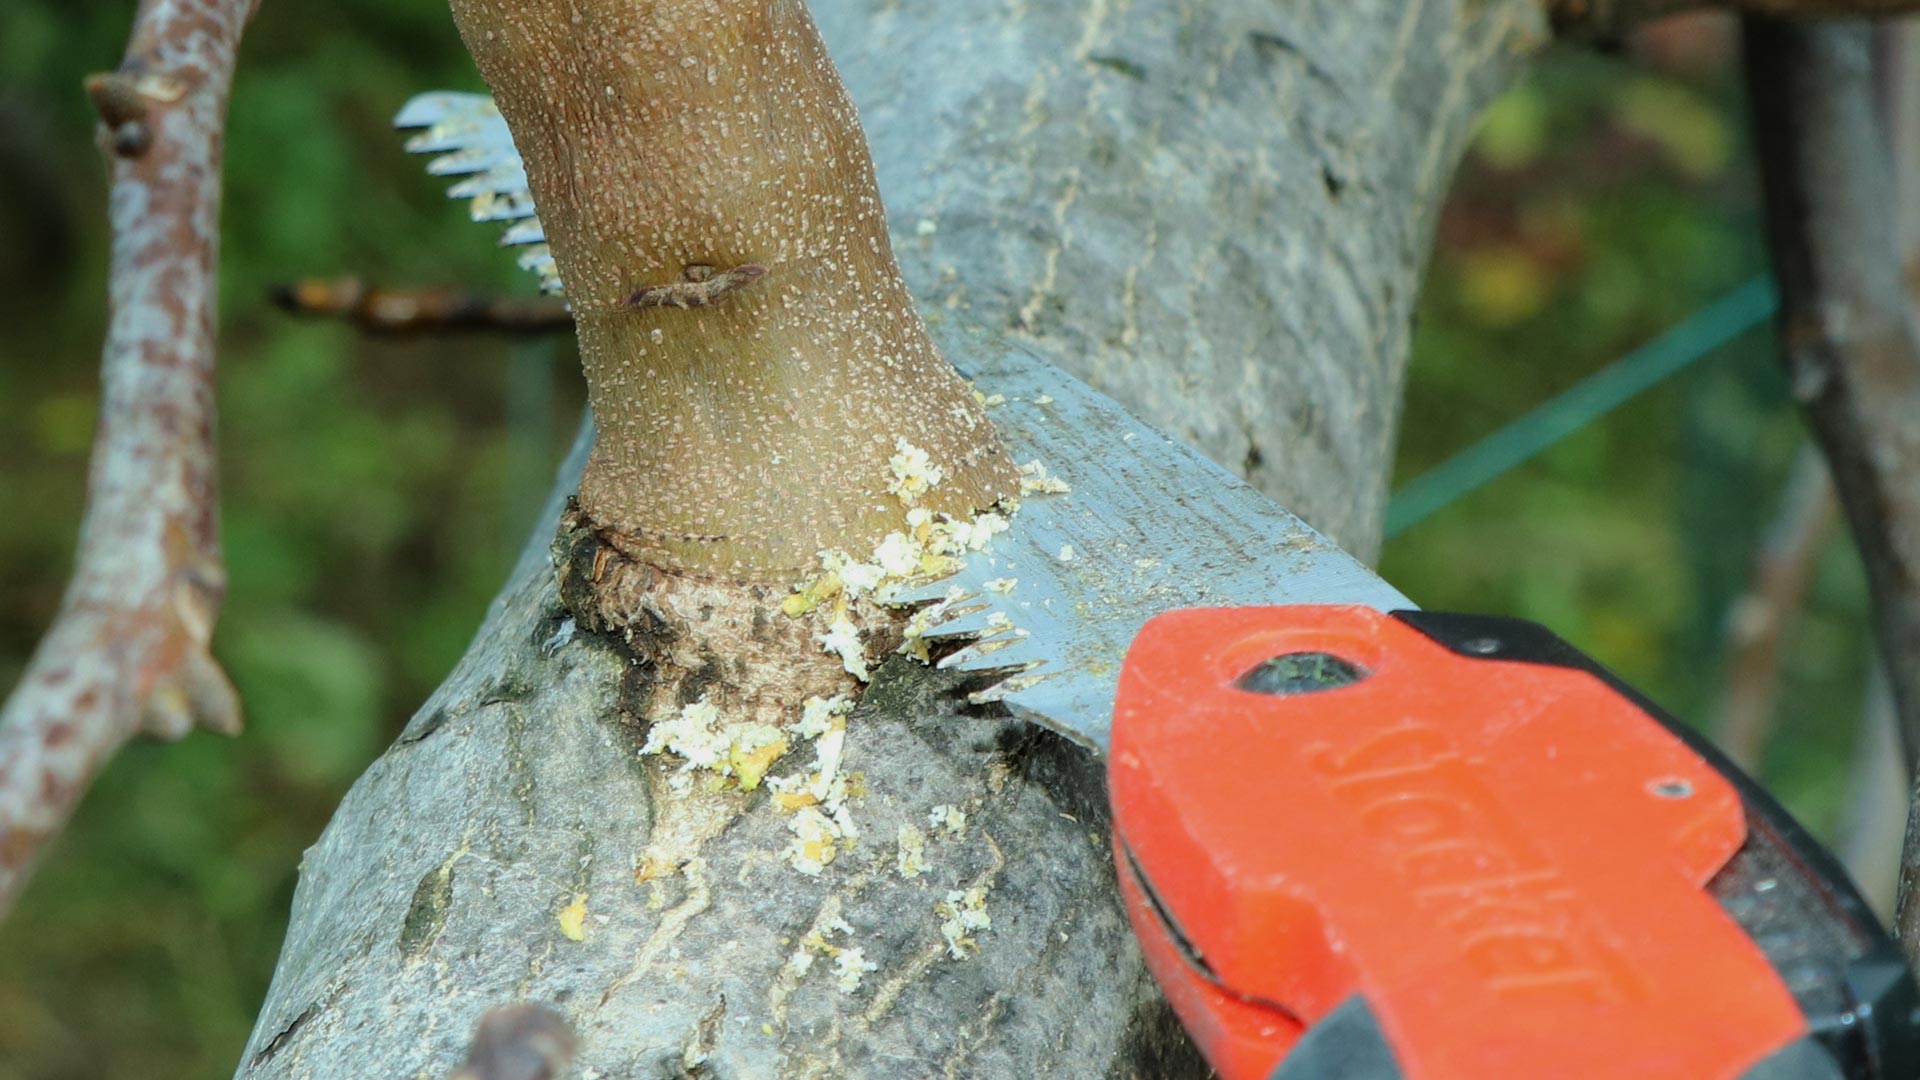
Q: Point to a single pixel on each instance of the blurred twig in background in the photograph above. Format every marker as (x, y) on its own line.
(409, 312)
(1846, 320)
(128, 652)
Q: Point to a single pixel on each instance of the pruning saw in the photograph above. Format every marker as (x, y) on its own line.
(1360, 841)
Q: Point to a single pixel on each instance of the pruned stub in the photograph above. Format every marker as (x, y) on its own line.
(724, 642)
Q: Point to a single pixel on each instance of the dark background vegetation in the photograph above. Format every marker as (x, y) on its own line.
(374, 491)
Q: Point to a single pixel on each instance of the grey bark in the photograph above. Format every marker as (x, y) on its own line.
(1218, 212)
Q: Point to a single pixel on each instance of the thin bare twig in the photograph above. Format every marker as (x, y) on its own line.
(518, 1042)
(419, 312)
(1846, 322)
(1758, 622)
(1609, 19)
(128, 651)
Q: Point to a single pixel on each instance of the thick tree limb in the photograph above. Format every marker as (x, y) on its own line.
(384, 312)
(1220, 213)
(1608, 19)
(128, 651)
(1846, 322)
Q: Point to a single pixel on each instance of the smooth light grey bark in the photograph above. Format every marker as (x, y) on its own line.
(1216, 211)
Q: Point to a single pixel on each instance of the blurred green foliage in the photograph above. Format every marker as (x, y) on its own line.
(1602, 203)
(367, 501)
(374, 492)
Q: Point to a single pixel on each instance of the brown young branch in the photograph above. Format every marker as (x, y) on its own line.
(1846, 320)
(1608, 19)
(1759, 621)
(420, 312)
(752, 355)
(128, 651)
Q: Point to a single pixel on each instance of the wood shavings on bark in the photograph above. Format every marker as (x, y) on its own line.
(128, 651)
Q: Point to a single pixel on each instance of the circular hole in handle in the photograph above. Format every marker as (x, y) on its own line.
(1300, 673)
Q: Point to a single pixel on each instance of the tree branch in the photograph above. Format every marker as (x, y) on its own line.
(128, 651)
(512, 846)
(1608, 19)
(1846, 324)
(418, 312)
(1758, 622)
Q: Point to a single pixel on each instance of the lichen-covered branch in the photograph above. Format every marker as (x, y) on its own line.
(1846, 326)
(385, 312)
(1610, 18)
(128, 651)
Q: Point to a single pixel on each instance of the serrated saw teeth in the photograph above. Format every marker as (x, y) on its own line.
(501, 206)
(973, 622)
(441, 138)
(468, 160)
(979, 656)
(921, 592)
(471, 140)
(521, 233)
(1020, 681)
(1018, 650)
(437, 106)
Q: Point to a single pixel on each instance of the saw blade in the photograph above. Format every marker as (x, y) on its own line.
(473, 146)
(1147, 525)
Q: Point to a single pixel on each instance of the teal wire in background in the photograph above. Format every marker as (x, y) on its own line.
(1686, 342)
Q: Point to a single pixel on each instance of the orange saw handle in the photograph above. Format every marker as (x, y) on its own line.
(1361, 846)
